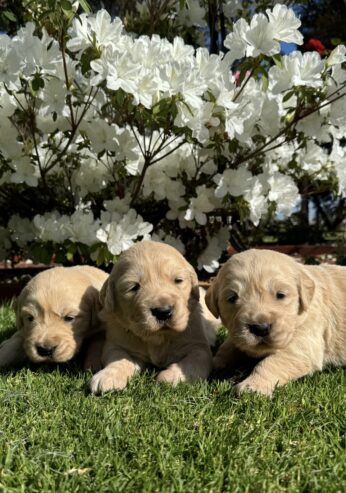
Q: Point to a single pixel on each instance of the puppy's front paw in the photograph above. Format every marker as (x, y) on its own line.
(106, 380)
(11, 351)
(172, 375)
(251, 384)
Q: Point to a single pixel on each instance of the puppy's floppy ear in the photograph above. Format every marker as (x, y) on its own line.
(107, 294)
(92, 296)
(306, 289)
(17, 307)
(211, 299)
(194, 283)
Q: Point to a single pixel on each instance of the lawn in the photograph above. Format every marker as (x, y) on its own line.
(55, 437)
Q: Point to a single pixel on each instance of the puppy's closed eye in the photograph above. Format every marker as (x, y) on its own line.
(178, 280)
(232, 298)
(134, 287)
(69, 318)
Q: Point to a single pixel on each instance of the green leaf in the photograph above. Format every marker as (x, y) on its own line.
(85, 6)
(9, 15)
(37, 83)
(277, 60)
(66, 5)
(287, 96)
(265, 82)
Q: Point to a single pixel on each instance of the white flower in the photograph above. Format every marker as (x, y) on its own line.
(285, 24)
(53, 98)
(193, 15)
(175, 242)
(8, 103)
(263, 34)
(91, 177)
(208, 260)
(297, 70)
(118, 205)
(25, 172)
(261, 38)
(21, 230)
(157, 182)
(9, 62)
(284, 192)
(235, 182)
(9, 145)
(257, 201)
(35, 53)
(105, 30)
(81, 227)
(269, 120)
(338, 158)
(102, 135)
(80, 36)
(240, 119)
(231, 8)
(98, 28)
(200, 204)
(311, 158)
(236, 41)
(121, 233)
(338, 112)
(337, 56)
(316, 125)
(50, 227)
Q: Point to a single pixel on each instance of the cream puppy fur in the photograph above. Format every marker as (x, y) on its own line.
(153, 317)
(56, 311)
(291, 315)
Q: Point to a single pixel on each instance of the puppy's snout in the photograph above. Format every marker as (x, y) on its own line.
(163, 312)
(260, 330)
(45, 350)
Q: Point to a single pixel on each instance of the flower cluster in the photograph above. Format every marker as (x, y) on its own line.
(127, 137)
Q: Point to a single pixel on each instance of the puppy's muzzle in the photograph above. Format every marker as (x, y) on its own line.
(163, 312)
(45, 350)
(260, 330)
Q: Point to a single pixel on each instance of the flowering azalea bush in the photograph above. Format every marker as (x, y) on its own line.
(107, 138)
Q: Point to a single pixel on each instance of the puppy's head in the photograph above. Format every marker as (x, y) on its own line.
(261, 297)
(56, 310)
(152, 290)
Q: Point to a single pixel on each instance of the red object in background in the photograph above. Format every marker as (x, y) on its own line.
(314, 44)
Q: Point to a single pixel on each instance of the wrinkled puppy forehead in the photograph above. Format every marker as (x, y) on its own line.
(259, 266)
(151, 258)
(54, 287)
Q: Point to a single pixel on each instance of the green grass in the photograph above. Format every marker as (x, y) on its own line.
(54, 437)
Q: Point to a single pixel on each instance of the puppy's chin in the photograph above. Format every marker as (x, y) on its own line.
(64, 352)
(153, 328)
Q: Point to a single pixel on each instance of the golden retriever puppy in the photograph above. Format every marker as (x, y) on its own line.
(291, 315)
(153, 318)
(56, 312)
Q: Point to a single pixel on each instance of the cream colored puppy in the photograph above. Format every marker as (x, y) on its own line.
(56, 311)
(153, 317)
(290, 315)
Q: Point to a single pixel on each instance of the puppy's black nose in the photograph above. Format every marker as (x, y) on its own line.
(260, 330)
(45, 350)
(163, 312)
